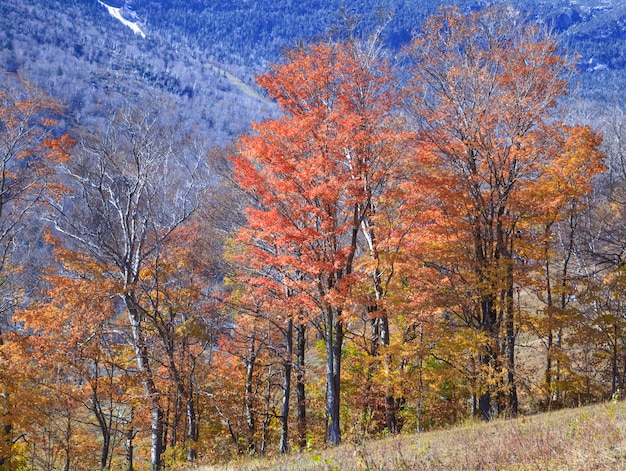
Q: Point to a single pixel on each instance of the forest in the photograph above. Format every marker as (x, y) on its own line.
(416, 238)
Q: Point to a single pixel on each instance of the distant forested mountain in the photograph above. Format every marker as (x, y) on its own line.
(202, 55)
(253, 32)
(92, 63)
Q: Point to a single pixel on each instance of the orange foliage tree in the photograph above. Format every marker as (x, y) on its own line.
(28, 154)
(550, 247)
(315, 174)
(134, 188)
(79, 334)
(484, 92)
(72, 338)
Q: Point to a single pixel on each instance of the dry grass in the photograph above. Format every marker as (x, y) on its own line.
(589, 438)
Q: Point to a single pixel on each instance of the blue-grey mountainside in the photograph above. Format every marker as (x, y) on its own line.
(202, 55)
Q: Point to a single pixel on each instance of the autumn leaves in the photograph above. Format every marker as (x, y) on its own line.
(402, 225)
(412, 208)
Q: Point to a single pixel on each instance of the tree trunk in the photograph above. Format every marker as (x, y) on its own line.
(509, 321)
(548, 374)
(484, 405)
(192, 428)
(178, 412)
(129, 448)
(391, 403)
(284, 415)
(549, 306)
(156, 450)
(153, 395)
(250, 419)
(300, 385)
(105, 430)
(193, 432)
(487, 357)
(614, 358)
(68, 443)
(334, 344)
(129, 436)
(510, 357)
(268, 414)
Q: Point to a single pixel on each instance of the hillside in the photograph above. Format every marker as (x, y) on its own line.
(198, 54)
(92, 63)
(580, 439)
(427, 234)
(253, 33)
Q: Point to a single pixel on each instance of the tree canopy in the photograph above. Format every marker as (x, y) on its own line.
(414, 239)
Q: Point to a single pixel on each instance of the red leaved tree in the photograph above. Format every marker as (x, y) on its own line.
(314, 174)
(484, 93)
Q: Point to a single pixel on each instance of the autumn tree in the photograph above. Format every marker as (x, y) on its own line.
(176, 290)
(29, 151)
(133, 186)
(601, 331)
(314, 173)
(268, 331)
(606, 246)
(484, 91)
(555, 262)
(72, 337)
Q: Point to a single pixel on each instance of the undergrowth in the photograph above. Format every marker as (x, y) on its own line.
(589, 438)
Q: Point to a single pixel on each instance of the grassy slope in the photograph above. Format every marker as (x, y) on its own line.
(589, 438)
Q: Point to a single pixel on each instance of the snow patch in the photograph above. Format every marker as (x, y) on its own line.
(595, 66)
(117, 14)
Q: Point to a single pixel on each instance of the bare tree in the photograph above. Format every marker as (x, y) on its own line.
(133, 185)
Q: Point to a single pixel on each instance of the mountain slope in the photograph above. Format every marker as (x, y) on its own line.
(576, 439)
(200, 56)
(93, 63)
